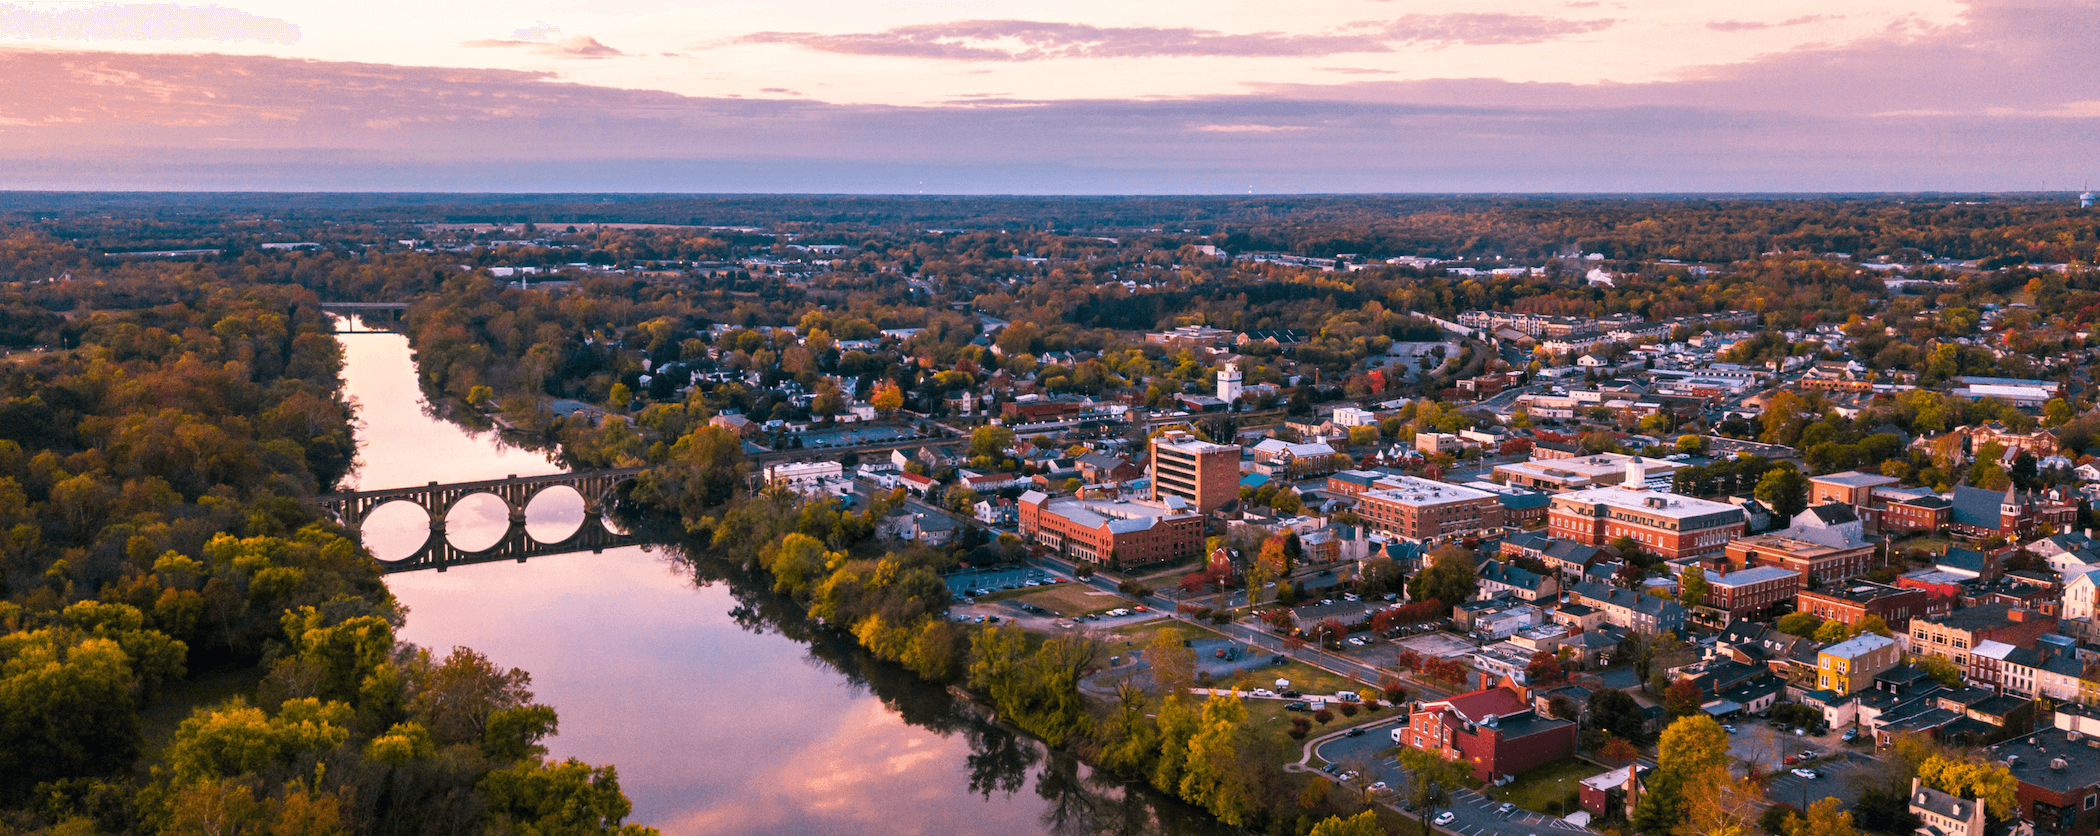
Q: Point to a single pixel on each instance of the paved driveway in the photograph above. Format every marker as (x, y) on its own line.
(1836, 780)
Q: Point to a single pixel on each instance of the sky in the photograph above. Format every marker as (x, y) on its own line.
(1077, 97)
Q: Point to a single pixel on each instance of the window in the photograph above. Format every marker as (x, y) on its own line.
(2091, 800)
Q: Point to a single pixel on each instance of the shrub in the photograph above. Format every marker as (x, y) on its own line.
(1348, 709)
(1297, 733)
(1324, 716)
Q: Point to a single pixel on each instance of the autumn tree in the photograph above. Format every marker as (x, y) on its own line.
(1691, 747)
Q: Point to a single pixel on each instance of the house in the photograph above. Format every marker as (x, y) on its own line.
(1854, 601)
(1955, 635)
(1631, 610)
(1851, 665)
(1495, 731)
(1941, 814)
(1750, 593)
(1499, 578)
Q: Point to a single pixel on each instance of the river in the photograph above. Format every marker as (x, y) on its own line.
(723, 711)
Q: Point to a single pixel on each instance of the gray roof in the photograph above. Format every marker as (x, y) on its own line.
(1976, 507)
(2036, 751)
(1952, 806)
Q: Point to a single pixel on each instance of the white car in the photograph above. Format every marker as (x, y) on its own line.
(1379, 787)
(1348, 776)
(1809, 774)
(1263, 692)
(1445, 818)
(1506, 808)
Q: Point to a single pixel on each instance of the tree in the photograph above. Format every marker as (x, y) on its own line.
(1619, 750)
(1617, 713)
(567, 797)
(1723, 805)
(887, 398)
(1361, 824)
(1173, 665)
(1939, 669)
(1692, 587)
(1799, 624)
(1784, 490)
(1823, 818)
(1450, 577)
(1544, 668)
(1209, 781)
(1431, 778)
(1682, 698)
(1691, 747)
(1988, 781)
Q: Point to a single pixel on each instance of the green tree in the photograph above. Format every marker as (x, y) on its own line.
(1361, 824)
(1692, 588)
(1450, 577)
(1431, 778)
(1987, 781)
(570, 798)
(1208, 781)
(66, 708)
(1799, 624)
(1784, 490)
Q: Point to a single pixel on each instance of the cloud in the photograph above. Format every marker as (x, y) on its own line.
(1025, 40)
(580, 46)
(141, 22)
(1752, 26)
(1485, 28)
(538, 31)
(2000, 100)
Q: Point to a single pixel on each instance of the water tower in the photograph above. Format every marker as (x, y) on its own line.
(1229, 383)
(2085, 201)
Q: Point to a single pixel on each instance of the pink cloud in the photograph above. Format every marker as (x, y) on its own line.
(580, 46)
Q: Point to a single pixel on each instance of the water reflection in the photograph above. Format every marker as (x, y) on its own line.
(725, 711)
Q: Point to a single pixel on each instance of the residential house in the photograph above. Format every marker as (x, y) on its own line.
(1495, 731)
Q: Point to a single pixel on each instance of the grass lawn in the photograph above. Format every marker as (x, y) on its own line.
(1269, 716)
(1538, 789)
(1070, 599)
(1141, 634)
(1305, 679)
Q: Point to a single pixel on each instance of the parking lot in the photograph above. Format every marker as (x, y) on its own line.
(1473, 814)
(1835, 778)
(1439, 644)
(854, 436)
(966, 583)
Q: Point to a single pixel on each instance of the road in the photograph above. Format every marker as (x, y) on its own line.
(1475, 814)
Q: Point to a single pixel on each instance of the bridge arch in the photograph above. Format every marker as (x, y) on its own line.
(516, 494)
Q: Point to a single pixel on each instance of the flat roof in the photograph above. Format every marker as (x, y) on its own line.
(1414, 490)
(1673, 505)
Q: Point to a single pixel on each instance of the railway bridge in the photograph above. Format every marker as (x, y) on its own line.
(437, 500)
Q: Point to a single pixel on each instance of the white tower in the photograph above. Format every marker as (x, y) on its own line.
(1636, 474)
(2085, 201)
(1229, 383)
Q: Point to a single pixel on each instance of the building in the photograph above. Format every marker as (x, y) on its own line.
(1751, 593)
(1850, 666)
(1628, 609)
(1499, 578)
(1424, 510)
(1570, 474)
(1850, 487)
(1204, 474)
(1852, 602)
(1348, 417)
(1953, 636)
(1613, 792)
(1229, 383)
(1940, 814)
(2059, 774)
(2012, 515)
(1494, 731)
(2049, 669)
(1565, 557)
(1827, 543)
(1298, 460)
(1112, 532)
(801, 475)
(1664, 524)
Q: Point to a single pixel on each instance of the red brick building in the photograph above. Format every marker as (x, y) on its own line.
(1850, 603)
(1423, 510)
(1659, 523)
(1205, 474)
(1112, 532)
(1494, 731)
(1751, 593)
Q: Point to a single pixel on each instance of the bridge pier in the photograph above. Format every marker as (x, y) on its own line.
(437, 500)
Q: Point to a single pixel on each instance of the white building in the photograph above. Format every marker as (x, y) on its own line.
(1350, 416)
(1229, 380)
(802, 474)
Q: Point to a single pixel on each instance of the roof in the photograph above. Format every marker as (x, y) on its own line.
(1834, 513)
(1976, 507)
(1933, 801)
(1754, 574)
(1855, 479)
(1965, 559)
(1972, 619)
(1511, 575)
(2034, 753)
(1475, 706)
(1858, 646)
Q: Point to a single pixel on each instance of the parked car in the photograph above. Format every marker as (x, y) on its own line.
(1380, 786)
(1809, 774)
(1348, 776)
(1446, 818)
(1506, 809)
(1296, 706)
(1851, 735)
(1263, 692)
(1330, 768)
(1356, 732)
(1289, 693)
(1728, 728)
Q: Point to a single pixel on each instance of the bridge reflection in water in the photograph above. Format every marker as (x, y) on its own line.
(516, 493)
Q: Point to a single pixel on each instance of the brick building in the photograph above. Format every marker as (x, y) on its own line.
(2059, 779)
(1828, 554)
(1112, 532)
(1206, 475)
(1849, 603)
(1494, 731)
(1751, 593)
(1660, 523)
(1953, 637)
(1423, 510)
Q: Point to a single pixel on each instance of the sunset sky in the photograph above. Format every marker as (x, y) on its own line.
(1076, 97)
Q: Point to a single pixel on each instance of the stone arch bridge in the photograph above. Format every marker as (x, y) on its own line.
(516, 493)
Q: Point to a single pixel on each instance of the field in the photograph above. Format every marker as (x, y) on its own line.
(1070, 599)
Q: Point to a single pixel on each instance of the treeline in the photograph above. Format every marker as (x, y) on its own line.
(156, 451)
